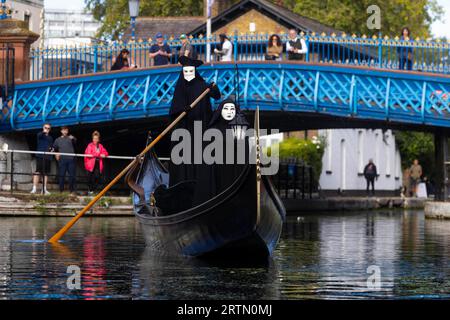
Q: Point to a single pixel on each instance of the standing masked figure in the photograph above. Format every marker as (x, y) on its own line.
(189, 87)
(231, 122)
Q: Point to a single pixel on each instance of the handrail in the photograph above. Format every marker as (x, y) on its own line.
(428, 54)
(80, 155)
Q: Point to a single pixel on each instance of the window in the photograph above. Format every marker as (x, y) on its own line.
(26, 18)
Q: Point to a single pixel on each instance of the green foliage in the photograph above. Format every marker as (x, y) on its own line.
(105, 202)
(416, 145)
(351, 15)
(310, 151)
(55, 197)
(346, 15)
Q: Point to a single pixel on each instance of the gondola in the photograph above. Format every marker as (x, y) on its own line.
(245, 220)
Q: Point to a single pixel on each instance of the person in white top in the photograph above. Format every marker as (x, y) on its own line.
(296, 47)
(226, 53)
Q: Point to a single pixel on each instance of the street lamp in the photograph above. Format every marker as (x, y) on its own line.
(134, 12)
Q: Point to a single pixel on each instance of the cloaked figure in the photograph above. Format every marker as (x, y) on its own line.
(189, 87)
(233, 125)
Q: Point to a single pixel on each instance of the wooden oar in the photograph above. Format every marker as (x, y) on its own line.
(66, 228)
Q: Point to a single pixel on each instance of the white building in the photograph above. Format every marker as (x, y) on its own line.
(30, 11)
(69, 27)
(347, 153)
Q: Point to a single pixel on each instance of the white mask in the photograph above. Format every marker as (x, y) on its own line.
(189, 73)
(229, 111)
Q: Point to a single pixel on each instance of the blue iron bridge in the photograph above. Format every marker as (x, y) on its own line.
(373, 95)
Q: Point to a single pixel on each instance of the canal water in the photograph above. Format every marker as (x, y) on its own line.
(357, 255)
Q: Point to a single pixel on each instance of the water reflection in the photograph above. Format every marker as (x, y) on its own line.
(319, 256)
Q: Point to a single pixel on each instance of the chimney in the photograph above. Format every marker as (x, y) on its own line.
(218, 6)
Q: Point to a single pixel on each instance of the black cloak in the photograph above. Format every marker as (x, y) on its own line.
(185, 93)
(233, 132)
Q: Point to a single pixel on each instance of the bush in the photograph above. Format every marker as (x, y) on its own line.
(416, 145)
(309, 151)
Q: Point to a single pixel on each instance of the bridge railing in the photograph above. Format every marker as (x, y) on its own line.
(333, 90)
(425, 55)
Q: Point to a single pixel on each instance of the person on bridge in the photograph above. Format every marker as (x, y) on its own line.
(160, 52)
(187, 49)
(370, 173)
(189, 87)
(43, 162)
(405, 52)
(226, 51)
(274, 48)
(94, 163)
(66, 144)
(123, 61)
(296, 47)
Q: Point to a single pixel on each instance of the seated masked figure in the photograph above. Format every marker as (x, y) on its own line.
(231, 122)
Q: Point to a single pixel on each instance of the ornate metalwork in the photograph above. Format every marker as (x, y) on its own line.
(348, 92)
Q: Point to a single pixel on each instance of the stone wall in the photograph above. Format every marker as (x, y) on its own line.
(22, 162)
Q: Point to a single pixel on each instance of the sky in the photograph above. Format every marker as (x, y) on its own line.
(442, 29)
(439, 29)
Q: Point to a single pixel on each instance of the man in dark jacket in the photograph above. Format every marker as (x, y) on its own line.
(370, 173)
(66, 144)
(43, 161)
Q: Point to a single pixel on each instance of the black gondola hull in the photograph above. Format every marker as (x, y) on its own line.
(230, 224)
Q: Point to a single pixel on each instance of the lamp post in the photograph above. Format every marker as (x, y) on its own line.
(209, 5)
(133, 5)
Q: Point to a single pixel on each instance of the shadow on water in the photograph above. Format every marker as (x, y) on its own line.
(175, 277)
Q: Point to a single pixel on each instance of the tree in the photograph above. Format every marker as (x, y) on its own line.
(115, 18)
(416, 145)
(351, 16)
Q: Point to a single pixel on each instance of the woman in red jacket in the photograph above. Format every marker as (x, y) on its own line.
(94, 162)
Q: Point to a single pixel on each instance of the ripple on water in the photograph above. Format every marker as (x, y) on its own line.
(320, 256)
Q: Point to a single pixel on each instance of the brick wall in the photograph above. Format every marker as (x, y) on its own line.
(242, 24)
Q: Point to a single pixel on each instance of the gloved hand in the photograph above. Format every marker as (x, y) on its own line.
(211, 85)
(187, 109)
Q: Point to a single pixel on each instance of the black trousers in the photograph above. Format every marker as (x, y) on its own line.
(370, 181)
(94, 177)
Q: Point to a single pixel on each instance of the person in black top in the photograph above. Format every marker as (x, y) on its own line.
(123, 61)
(233, 125)
(160, 52)
(43, 162)
(370, 173)
(189, 87)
